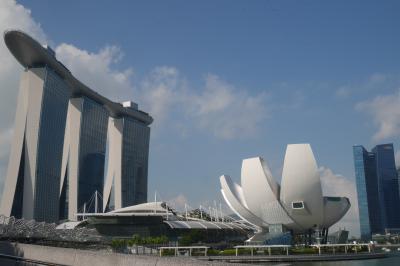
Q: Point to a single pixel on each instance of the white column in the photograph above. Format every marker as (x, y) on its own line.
(114, 162)
(16, 146)
(70, 158)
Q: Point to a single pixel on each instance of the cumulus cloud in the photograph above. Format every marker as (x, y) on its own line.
(385, 113)
(5, 139)
(13, 16)
(161, 91)
(216, 107)
(97, 70)
(227, 111)
(338, 185)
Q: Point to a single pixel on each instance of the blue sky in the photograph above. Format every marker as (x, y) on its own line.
(227, 80)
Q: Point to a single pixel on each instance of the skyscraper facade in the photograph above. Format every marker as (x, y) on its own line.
(377, 189)
(35, 158)
(63, 131)
(83, 155)
(126, 164)
(388, 185)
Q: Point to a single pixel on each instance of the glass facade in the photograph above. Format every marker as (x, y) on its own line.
(50, 145)
(377, 189)
(135, 153)
(359, 154)
(92, 148)
(64, 199)
(388, 185)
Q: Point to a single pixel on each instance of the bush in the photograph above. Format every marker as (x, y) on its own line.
(194, 236)
(168, 252)
(228, 252)
(137, 240)
(118, 244)
(303, 250)
(212, 252)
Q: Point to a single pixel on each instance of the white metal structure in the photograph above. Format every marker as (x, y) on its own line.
(297, 204)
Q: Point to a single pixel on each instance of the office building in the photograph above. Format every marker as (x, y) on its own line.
(377, 189)
(128, 151)
(83, 156)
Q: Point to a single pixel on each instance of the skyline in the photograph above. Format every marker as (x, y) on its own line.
(259, 70)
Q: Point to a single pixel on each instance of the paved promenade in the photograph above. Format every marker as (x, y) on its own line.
(294, 258)
(74, 257)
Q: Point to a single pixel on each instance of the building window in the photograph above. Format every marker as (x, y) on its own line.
(298, 205)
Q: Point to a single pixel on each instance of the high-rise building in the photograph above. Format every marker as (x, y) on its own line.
(64, 134)
(32, 183)
(388, 185)
(83, 155)
(377, 189)
(127, 162)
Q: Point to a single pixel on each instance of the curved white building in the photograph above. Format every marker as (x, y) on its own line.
(297, 204)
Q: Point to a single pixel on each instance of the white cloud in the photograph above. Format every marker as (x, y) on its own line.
(217, 107)
(160, 92)
(338, 185)
(5, 140)
(97, 70)
(13, 16)
(385, 112)
(226, 111)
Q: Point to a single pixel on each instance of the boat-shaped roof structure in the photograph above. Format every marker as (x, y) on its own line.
(30, 54)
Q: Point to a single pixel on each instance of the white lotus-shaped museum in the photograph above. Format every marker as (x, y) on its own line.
(297, 204)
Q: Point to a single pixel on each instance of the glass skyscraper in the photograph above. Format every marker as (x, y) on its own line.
(135, 155)
(36, 153)
(126, 163)
(388, 185)
(83, 156)
(377, 189)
